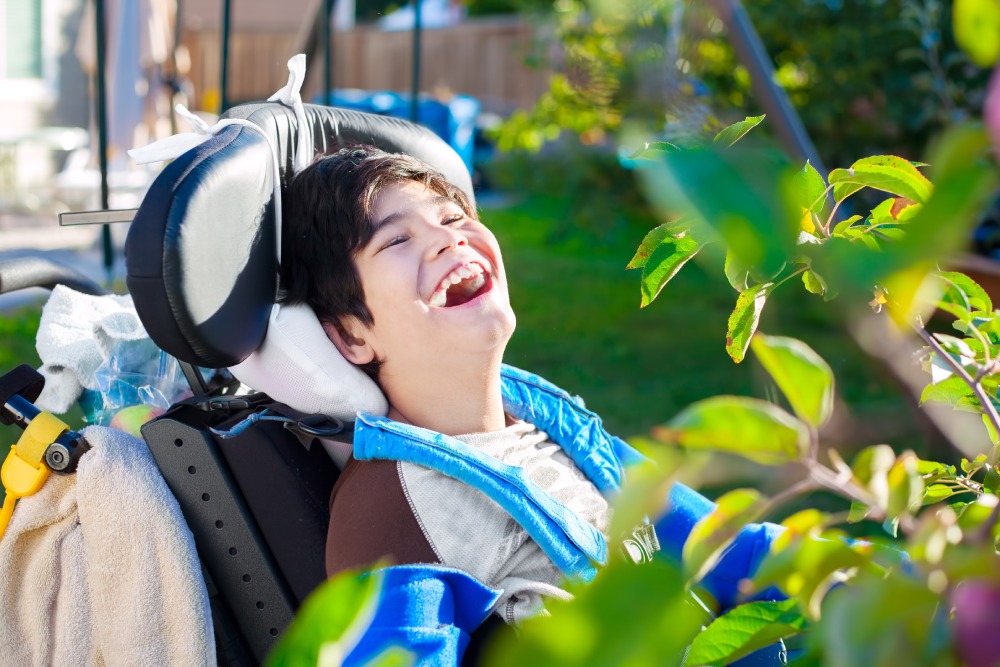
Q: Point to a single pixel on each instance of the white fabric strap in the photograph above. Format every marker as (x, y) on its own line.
(291, 96)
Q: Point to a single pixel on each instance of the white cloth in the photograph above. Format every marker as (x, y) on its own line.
(77, 334)
(99, 568)
(299, 366)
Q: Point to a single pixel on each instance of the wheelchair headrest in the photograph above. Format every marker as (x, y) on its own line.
(201, 256)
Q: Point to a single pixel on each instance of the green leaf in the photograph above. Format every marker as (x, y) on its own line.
(653, 239)
(976, 24)
(743, 630)
(330, 620)
(802, 375)
(736, 273)
(664, 264)
(730, 135)
(935, 493)
(950, 391)
(750, 427)
(814, 282)
(709, 538)
(889, 173)
(654, 150)
(744, 319)
(964, 292)
(806, 567)
(812, 188)
(871, 467)
(841, 227)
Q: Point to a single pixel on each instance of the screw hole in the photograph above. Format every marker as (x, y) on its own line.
(246, 577)
(219, 524)
(178, 442)
(205, 496)
(274, 632)
(192, 469)
(232, 551)
(260, 605)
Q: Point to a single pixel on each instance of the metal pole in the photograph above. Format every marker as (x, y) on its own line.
(751, 52)
(102, 134)
(327, 53)
(415, 77)
(226, 18)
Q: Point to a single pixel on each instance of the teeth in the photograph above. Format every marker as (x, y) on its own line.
(479, 281)
(465, 272)
(438, 299)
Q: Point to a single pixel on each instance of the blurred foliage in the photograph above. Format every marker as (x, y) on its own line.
(866, 76)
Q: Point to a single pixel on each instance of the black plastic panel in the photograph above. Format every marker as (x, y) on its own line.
(227, 538)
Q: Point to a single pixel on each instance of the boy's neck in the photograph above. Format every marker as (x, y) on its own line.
(453, 400)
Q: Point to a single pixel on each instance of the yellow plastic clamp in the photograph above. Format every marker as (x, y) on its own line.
(23, 473)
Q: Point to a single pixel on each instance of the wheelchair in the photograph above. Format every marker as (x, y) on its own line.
(202, 257)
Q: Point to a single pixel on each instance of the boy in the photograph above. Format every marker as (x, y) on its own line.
(478, 468)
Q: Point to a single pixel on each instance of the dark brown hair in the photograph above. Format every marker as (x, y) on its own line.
(326, 221)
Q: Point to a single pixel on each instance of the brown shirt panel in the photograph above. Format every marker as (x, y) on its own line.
(371, 519)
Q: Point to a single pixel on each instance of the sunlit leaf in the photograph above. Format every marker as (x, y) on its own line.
(664, 264)
(871, 467)
(730, 135)
(802, 375)
(714, 532)
(330, 621)
(964, 292)
(806, 567)
(750, 427)
(814, 282)
(736, 273)
(949, 391)
(841, 227)
(811, 188)
(654, 150)
(976, 24)
(744, 319)
(627, 615)
(889, 173)
(745, 629)
(906, 487)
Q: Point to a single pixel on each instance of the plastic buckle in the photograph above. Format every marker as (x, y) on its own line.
(316, 426)
(23, 472)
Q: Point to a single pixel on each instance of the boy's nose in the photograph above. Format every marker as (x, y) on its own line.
(451, 239)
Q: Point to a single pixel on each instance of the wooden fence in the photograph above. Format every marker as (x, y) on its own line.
(483, 58)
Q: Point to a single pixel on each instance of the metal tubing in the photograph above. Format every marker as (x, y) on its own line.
(327, 53)
(102, 132)
(226, 19)
(751, 52)
(415, 77)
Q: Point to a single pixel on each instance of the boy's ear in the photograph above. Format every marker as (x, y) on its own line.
(351, 338)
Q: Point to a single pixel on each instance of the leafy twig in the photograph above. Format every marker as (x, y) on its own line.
(975, 385)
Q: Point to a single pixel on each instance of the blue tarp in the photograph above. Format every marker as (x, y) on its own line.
(454, 121)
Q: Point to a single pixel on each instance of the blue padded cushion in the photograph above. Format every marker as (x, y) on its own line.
(200, 255)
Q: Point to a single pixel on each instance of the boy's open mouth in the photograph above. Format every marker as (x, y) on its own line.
(463, 284)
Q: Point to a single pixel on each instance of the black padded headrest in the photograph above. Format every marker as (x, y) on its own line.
(200, 256)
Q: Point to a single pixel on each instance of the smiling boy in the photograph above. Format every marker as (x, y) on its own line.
(478, 467)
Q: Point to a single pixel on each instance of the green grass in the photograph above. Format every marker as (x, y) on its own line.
(580, 325)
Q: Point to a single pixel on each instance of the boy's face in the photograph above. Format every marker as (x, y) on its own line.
(434, 281)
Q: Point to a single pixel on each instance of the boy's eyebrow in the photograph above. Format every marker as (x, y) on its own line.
(440, 201)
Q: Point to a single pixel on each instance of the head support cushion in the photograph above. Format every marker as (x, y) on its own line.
(201, 255)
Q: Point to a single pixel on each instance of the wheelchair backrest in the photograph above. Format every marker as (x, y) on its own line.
(202, 264)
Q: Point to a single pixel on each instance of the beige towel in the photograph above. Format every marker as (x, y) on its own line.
(99, 568)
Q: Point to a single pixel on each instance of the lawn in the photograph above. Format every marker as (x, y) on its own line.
(580, 325)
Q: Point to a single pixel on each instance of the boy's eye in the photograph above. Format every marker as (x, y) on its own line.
(452, 219)
(395, 240)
